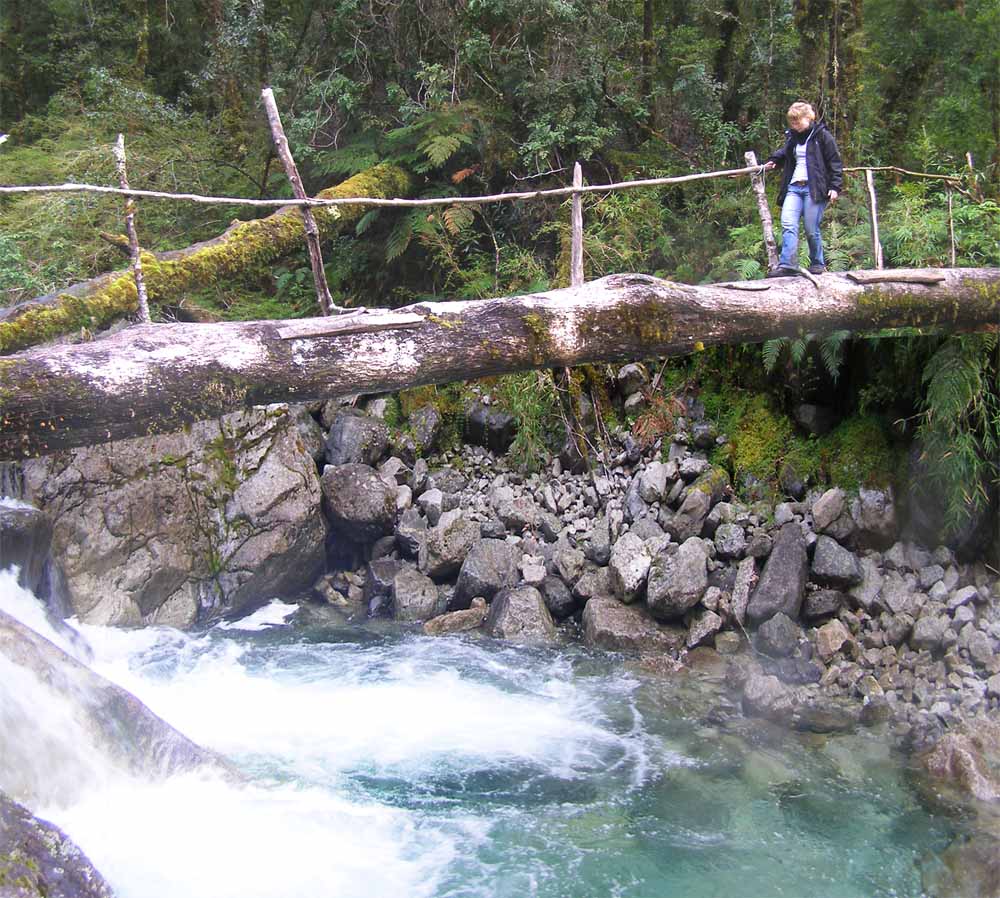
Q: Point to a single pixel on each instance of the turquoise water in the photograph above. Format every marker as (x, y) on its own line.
(392, 764)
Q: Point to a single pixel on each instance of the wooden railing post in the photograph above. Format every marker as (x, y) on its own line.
(757, 179)
(873, 208)
(951, 230)
(308, 219)
(133, 237)
(576, 231)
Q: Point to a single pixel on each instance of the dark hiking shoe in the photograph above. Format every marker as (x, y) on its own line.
(781, 272)
(817, 269)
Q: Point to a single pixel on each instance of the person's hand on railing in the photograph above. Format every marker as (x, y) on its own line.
(832, 195)
(769, 166)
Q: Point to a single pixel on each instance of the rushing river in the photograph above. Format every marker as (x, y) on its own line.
(384, 763)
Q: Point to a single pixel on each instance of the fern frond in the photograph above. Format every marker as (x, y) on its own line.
(772, 352)
(440, 147)
(798, 349)
(457, 219)
(366, 221)
(831, 350)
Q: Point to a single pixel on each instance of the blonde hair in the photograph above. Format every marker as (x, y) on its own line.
(801, 110)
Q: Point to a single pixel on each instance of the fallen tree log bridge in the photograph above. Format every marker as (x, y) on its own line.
(152, 379)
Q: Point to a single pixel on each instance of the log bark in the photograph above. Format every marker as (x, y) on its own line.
(154, 379)
(245, 247)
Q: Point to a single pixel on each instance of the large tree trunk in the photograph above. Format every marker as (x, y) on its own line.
(152, 379)
(245, 247)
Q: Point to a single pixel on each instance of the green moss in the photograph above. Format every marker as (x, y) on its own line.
(760, 441)
(648, 323)
(858, 453)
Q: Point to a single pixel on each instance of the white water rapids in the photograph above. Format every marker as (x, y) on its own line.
(390, 764)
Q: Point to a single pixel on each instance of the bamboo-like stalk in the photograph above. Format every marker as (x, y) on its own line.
(873, 207)
(576, 229)
(757, 179)
(308, 221)
(133, 237)
(951, 231)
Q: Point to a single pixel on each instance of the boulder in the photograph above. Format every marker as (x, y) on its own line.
(823, 603)
(470, 618)
(965, 762)
(491, 565)
(414, 596)
(186, 526)
(629, 566)
(782, 583)
(558, 598)
(361, 506)
(411, 530)
(746, 579)
(94, 717)
(653, 482)
(447, 544)
(355, 438)
(39, 859)
(379, 578)
(520, 615)
(703, 626)
(730, 541)
(833, 565)
(828, 507)
(929, 632)
(490, 427)
(598, 549)
(688, 520)
(867, 592)
(569, 563)
(619, 628)
(518, 514)
(829, 639)
(594, 582)
(778, 636)
(25, 540)
(677, 580)
(632, 378)
(425, 425)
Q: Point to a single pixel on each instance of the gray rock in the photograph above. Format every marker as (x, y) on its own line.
(549, 525)
(569, 564)
(360, 505)
(653, 482)
(190, 525)
(619, 628)
(411, 529)
(25, 540)
(823, 603)
(462, 621)
(874, 512)
(829, 639)
(490, 565)
(595, 582)
(897, 596)
(94, 717)
(980, 648)
(783, 514)
(833, 565)
(492, 528)
(447, 544)
(379, 576)
(760, 545)
(814, 419)
(490, 427)
(929, 575)
(962, 597)
(558, 598)
(518, 514)
(647, 529)
(692, 467)
(634, 506)
(728, 642)
(447, 479)
(688, 520)
(431, 503)
(722, 513)
(746, 580)
(704, 435)
(898, 628)
(414, 596)
(828, 508)
(781, 587)
(928, 632)
(598, 549)
(632, 377)
(419, 478)
(896, 558)
(520, 615)
(629, 565)
(778, 636)
(425, 424)
(730, 541)
(39, 859)
(677, 580)
(704, 625)
(867, 592)
(356, 439)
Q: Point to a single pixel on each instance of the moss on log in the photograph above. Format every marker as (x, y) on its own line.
(245, 247)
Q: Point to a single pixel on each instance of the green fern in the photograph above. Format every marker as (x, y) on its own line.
(366, 221)
(772, 352)
(797, 350)
(831, 351)
(439, 148)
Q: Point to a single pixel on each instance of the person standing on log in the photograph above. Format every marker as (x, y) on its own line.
(812, 176)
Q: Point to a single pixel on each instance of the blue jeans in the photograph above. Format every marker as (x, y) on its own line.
(798, 204)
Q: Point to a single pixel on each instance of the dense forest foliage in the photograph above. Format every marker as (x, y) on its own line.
(479, 96)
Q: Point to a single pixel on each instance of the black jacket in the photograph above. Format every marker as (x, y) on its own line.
(826, 171)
